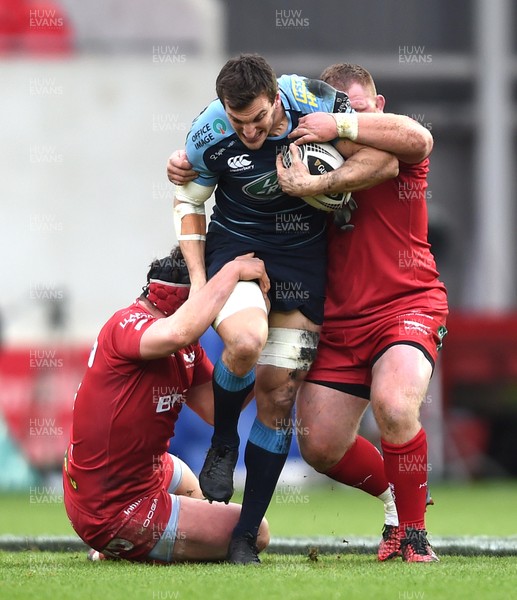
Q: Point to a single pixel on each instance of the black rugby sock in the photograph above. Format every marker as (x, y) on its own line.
(263, 466)
(227, 409)
(230, 392)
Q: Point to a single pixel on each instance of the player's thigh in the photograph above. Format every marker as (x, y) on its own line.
(293, 319)
(204, 530)
(400, 378)
(244, 316)
(327, 421)
(184, 482)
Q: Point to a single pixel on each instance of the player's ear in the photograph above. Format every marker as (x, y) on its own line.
(380, 102)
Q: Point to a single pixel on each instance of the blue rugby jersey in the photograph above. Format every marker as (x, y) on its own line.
(248, 201)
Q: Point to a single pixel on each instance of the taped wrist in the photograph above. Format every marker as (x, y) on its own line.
(347, 125)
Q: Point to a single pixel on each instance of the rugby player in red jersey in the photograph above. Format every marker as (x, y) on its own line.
(384, 321)
(124, 494)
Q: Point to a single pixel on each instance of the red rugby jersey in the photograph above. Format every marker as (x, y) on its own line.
(385, 258)
(124, 414)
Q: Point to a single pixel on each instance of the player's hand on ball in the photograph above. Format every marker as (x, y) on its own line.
(316, 127)
(296, 180)
(179, 170)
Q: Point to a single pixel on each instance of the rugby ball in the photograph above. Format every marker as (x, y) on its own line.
(319, 159)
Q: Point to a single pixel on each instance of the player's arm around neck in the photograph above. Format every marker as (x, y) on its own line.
(192, 319)
(404, 137)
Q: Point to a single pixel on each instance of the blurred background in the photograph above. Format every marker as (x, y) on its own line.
(95, 96)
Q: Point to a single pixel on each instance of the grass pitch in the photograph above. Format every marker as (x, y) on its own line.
(478, 509)
(69, 576)
(485, 508)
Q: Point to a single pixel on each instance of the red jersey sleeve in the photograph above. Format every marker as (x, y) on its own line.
(126, 332)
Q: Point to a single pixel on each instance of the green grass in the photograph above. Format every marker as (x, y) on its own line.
(486, 508)
(70, 576)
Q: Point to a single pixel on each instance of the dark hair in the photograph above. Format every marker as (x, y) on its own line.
(172, 269)
(342, 75)
(243, 79)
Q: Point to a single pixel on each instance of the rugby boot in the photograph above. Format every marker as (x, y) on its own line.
(243, 550)
(390, 543)
(416, 548)
(216, 476)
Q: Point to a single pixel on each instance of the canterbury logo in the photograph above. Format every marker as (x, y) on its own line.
(237, 162)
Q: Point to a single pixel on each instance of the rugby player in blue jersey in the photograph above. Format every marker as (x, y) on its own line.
(232, 146)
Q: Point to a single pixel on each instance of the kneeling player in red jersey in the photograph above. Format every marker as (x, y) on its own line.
(124, 494)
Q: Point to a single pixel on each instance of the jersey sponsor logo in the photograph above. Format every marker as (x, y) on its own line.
(240, 163)
(166, 403)
(220, 126)
(132, 507)
(416, 324)
(203, 136)
(135, 318)
(150, 513)
(217, 153)
(265, 187)
(301, 92)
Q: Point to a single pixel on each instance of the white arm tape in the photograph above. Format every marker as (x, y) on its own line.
(347, 125)
(193, 193)
(191, 199)
(197, 237)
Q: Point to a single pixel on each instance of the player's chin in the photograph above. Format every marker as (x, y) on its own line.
(254, 144)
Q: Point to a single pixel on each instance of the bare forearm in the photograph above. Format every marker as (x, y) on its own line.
(402, 136)
(193, 250)
(364, 169)
(194, 254)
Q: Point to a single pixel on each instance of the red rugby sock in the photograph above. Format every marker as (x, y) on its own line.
(406, 469)
(362, 467)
